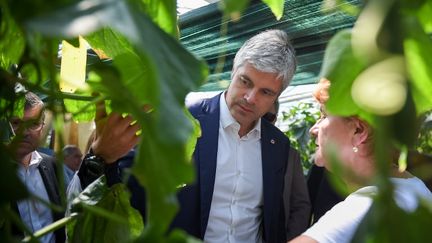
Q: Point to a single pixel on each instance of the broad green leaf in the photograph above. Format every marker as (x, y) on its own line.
(341, 67)
(276, 6)
(83, 18)
(170, 162)
(10, 184)
(418, 49)
(10, 103)
(170, 72)
(163, 13)
(26, 9)
(11, 41)
(381, 88)
(176, 71)
(386, 222)
(82, 111)
(424, 14)
(105, 215)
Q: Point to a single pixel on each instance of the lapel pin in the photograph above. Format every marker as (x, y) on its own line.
(272, 141)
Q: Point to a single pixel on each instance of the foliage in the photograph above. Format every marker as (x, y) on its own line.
(147, 65)
(299, 119)
(424, 143)
(106, 213)
(385, 60)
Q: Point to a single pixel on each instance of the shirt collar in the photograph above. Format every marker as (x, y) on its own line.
(227, 120)
(35, 159)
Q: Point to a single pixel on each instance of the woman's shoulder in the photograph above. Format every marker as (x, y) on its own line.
(409, 191)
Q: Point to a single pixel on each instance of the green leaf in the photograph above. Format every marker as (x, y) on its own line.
(386, 222)
(163, 13)
(34, 7)
(337, 54)
(173, 70)
(149, 67)
(276, 6)
(10, 184)
(418, 50)
(105, 215)
(424, 14)
(161, 160)
(82, 111)
(11, 41)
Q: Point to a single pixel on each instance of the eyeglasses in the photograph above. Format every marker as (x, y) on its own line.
(31, 125)
(269, 117)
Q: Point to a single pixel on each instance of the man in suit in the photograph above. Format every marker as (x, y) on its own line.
(240, 159)
(36, 170)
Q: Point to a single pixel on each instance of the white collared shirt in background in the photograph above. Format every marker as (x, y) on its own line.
(35, 214)
(236, 208)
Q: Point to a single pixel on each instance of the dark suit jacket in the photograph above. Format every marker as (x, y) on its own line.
(296, 197)
(47, 169)
(322, 194)
(195, 200)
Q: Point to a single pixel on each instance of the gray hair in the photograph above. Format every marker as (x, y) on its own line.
(270, 51)
(32, 100)
(70, 149)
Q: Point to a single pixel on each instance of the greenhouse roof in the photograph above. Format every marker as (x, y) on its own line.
(307, 25)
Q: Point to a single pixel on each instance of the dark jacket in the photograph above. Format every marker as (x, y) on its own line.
(47, 169)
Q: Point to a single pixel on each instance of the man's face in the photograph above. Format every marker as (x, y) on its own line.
(73, 161)
(251, 94)
(28, 131)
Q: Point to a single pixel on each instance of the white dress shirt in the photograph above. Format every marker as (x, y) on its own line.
(35, 214)
(340, 223)
(236, 208)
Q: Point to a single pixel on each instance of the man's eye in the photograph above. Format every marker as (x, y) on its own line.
(268, 92)
(244, 81)
(15, 123)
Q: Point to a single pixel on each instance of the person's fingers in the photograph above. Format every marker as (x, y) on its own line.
(118, 122)
(100, 111)
(134, 141)
(114, 118)
(128, 119)
(133, 129)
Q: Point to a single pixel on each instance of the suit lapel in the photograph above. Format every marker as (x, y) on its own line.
(207, 156)
(47, 172)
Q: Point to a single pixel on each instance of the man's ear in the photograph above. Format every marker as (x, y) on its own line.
(361, 132)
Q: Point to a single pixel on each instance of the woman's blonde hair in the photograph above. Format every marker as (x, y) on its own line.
(321, 93)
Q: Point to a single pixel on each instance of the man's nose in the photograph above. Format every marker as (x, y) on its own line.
(251, 96)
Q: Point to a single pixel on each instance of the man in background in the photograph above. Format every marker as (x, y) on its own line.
(72, 160)
(36, 170)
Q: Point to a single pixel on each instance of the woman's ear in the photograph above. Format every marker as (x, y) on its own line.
(361, 132)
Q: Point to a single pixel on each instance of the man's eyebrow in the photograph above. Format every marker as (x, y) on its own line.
(244, 76)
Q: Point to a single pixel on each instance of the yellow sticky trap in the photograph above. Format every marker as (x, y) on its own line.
(73, 66)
